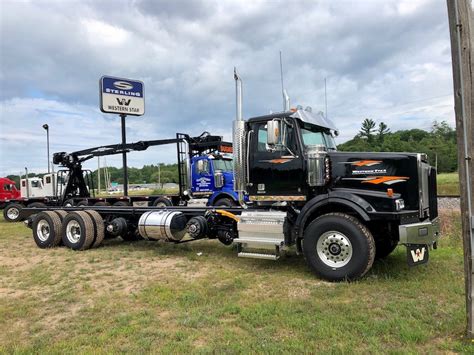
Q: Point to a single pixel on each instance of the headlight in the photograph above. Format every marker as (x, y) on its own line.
(399, 204)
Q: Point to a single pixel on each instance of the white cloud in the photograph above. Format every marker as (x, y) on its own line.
(104, 35)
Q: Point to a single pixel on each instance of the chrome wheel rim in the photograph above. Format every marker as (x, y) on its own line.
(42, 230)
(13, 213)
(73, 232)
(334, 249)
(161, 204)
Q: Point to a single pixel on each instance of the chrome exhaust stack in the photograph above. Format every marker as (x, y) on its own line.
(240, 166)
(286, 101)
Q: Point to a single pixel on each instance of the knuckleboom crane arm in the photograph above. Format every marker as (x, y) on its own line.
(76, 185)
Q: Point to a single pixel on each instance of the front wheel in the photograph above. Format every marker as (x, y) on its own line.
(11, 212)
(338, 247)
(224, 202)
(162, 202)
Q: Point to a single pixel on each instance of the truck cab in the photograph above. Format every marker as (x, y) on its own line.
(41, 187)
(330, 201)
(8, 190)
(212, 177)
(280, 168)
(32, 187)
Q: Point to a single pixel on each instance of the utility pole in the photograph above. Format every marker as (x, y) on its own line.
(159, 176)
(461, 31)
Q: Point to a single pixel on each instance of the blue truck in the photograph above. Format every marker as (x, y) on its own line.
(212, 177)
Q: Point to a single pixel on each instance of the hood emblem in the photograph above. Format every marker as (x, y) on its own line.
(362, 162)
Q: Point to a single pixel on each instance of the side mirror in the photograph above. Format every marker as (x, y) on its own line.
(203, 166)
(273, 132)
(200, 165)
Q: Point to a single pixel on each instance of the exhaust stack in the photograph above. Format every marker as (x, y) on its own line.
(238, 96)
(286, 100)
(240, 166)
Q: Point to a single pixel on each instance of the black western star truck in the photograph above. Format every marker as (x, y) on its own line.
(340, 210)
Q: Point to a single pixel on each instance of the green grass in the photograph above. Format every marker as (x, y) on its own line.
(448, 184)
(157, 297)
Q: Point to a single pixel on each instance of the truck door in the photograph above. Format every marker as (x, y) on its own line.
(202, 176)
(49, 185)
(4, 195)
(36, 187)
(275, 172)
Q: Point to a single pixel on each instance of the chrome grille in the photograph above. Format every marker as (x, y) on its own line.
(425, 190)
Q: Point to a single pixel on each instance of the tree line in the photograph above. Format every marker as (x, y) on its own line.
(439, 143)
(165, 173)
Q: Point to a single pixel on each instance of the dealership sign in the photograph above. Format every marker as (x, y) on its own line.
(123, 96)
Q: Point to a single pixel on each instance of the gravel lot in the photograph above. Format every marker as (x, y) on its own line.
(448, 203)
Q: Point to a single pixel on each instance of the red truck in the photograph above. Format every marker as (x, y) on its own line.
(8, 190)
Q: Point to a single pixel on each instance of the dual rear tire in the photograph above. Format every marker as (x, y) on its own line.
(77, 230)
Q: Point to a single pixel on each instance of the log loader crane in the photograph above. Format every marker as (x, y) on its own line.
(204, 170)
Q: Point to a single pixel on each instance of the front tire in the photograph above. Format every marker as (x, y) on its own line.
(121, 204)
(12, 212)
(37, 205)
(162, 202)
(338, 247)
(68, 203)
(224, 202)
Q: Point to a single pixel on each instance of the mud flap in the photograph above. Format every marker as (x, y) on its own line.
(417, 254)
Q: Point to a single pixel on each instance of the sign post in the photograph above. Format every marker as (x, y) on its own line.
(125, 97)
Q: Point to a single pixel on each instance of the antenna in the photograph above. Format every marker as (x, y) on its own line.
(286, 99)
(326, 98)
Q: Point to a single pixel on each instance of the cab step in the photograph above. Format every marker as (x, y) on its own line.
(244, 254)
(264, 241)
(261, 235)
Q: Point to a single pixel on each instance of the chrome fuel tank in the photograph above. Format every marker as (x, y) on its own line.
(162, 225)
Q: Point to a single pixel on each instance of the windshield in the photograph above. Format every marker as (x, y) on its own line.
(224, 164)
(314, 136)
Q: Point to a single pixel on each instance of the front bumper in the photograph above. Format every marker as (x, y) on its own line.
(426, 233)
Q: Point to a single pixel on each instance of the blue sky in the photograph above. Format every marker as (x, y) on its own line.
(389, 61)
